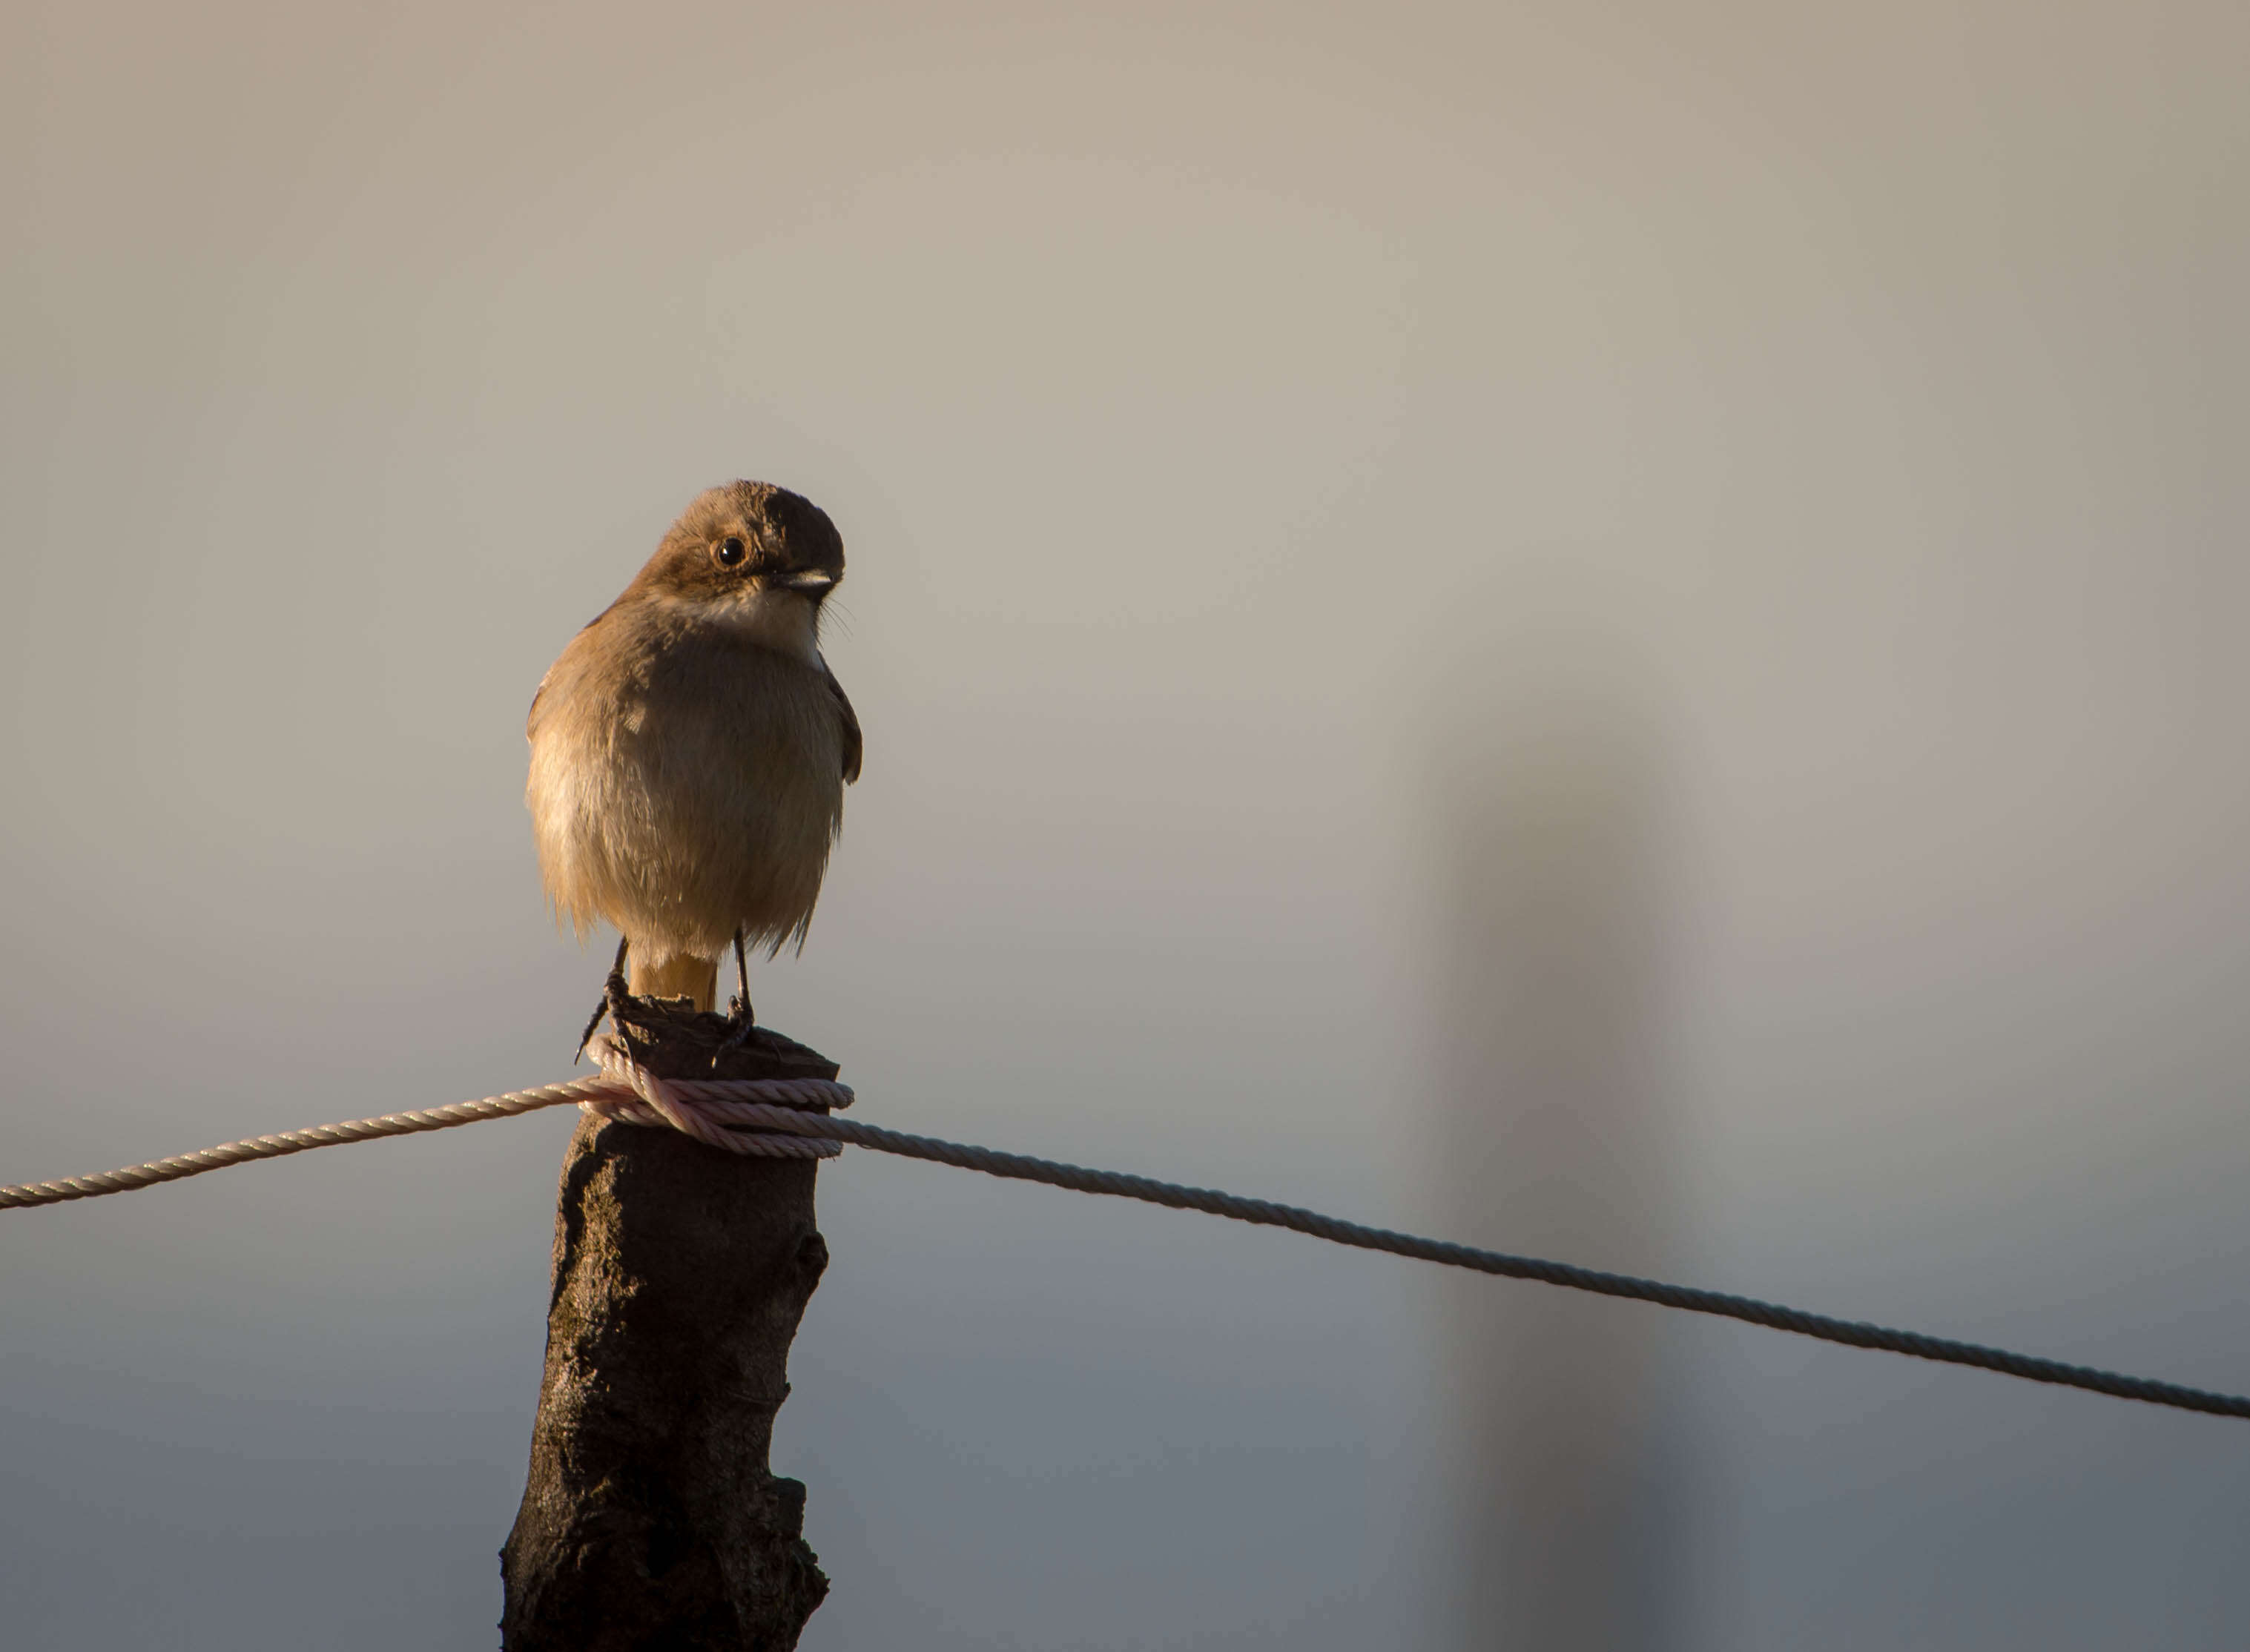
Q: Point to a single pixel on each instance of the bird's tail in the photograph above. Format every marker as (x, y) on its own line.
(684, 976)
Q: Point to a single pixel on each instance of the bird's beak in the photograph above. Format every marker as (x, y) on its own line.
(810, 584)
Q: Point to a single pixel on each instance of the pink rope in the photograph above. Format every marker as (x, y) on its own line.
(705, 1108)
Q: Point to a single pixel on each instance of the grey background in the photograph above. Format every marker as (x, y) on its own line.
(1606, 630)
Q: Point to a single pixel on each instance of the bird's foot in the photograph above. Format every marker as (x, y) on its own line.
(614, 993)
(742, 1026)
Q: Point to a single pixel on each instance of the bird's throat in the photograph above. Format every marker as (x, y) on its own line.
(786, 621)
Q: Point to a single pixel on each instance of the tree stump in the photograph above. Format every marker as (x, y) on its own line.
(650, 1519)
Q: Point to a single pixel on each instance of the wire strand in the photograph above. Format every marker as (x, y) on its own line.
(781, 1117)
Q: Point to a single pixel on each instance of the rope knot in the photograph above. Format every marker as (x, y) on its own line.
(759, 1118)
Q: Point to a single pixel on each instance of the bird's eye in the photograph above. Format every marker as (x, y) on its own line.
(730, 550)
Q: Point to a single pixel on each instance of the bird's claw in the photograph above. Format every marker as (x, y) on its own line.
(742, 1026)
(614, 993)
(741, 1019)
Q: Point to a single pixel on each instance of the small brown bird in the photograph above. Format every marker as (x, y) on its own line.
(690, 749)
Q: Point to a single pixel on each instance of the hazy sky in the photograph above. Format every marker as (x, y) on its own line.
(1248, 426)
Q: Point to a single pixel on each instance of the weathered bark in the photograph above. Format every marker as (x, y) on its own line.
(650, 1518)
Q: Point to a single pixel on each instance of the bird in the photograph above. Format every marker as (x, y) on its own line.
(690, 749)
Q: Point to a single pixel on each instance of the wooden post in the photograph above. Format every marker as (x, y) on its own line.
(650, 1517)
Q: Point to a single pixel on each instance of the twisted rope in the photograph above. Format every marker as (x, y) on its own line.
(703, 1107)
(26, 1195)
(784, 1118)
(624, 1092)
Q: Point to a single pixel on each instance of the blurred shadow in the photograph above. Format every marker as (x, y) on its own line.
(1552, 1138)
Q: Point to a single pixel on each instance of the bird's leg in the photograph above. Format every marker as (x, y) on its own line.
(739, 1012)
(613, 992)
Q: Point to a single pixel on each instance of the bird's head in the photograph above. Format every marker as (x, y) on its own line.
(751, 556)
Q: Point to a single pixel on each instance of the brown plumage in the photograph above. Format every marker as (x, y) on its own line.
(690, 747)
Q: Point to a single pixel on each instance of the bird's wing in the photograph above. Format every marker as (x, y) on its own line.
(531, 717)
(853, 744)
